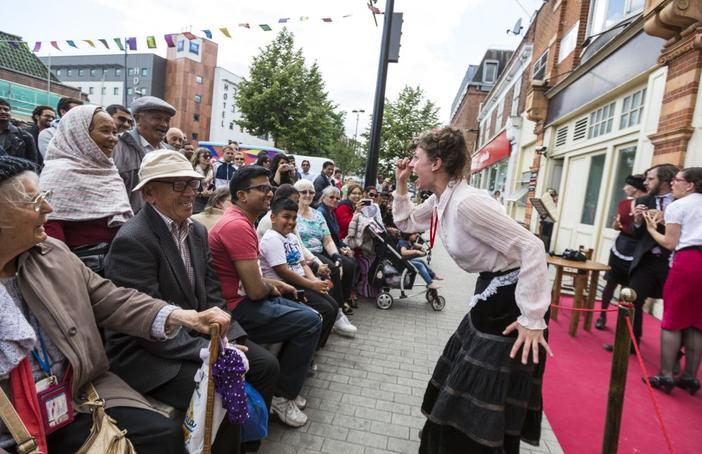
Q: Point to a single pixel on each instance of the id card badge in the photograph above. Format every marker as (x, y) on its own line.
(56, 406)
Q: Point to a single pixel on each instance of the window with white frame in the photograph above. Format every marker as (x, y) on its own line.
(632, 108)
(91, 90)
(601, 121)
(103, 91)
(568, 42)
(490, 71)
(93, 72)
(115, 91)
(58, 72)
(605, 14)
(539, 72)
(500, 112)
(515, 97)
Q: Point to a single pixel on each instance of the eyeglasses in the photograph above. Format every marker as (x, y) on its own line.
(679, 180)
(238, 159)
(181, 186)
(39, 199)
(206, 156)
(333, 197)
(306, 192)
(264, 188)
(372, 194)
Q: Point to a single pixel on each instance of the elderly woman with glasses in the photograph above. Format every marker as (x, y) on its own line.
(202, 163)
(90, 202)
(50, 346)
(317, 237)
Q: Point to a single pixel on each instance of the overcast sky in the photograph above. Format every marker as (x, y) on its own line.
(440, 38)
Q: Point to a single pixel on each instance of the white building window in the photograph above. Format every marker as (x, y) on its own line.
(198, 99)
(118, 71)
(632, 108)
(81, 72)
(130, 90)
(539, 72)
(198, 79)
(601, 121)
(490, 72)
(500, 112)
(515, 97)
(58, 72)
(93, 72)
(568, 42)
(144, 72)
(103, 91)
(115, 91)
(91, 90)
(69, 72)
(605, 14)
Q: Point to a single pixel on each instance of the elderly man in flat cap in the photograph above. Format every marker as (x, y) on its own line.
(152, 116)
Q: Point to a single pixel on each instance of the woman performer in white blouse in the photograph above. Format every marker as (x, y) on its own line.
(484, 395)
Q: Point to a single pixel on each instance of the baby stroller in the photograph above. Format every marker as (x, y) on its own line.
(391, 271)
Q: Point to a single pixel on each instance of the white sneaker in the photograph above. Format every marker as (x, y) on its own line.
(343, 326)
(287, 412)
(301, 402)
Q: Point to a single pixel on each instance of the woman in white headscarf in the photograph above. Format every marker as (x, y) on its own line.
(90, 201)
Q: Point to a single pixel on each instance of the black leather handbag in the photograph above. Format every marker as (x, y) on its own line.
(93, 256)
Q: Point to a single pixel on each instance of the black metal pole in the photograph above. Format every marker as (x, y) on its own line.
(379, 103)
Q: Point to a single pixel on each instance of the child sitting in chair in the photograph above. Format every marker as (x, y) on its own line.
(412, 251)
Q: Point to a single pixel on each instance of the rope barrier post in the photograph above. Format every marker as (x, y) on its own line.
(617, 379)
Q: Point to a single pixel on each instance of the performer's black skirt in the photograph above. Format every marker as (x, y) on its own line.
(478, 398)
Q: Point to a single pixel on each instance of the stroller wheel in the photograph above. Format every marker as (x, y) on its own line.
(438, 303)
(384, 301)
(431, 295)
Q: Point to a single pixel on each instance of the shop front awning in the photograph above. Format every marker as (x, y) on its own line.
(495, 150)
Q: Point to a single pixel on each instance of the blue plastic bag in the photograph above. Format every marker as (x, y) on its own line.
(256, 427)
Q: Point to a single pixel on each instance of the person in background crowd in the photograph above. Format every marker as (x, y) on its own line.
(281, 259)
(291, 161)
(152, 116)
(385, 204)
(328, 206)
(412, 251)
(219, 201)
(256, 302)
(349, 180)
(121, 116)
(16, 142)
(90, 204)
(202, 164)
(649, 265)
(323, 180)
(620, 256)
(175, 139)
(497, 195)
(682, 311)
(239, 160)
(263, 160)
(42, 117)
(506, 314)
(372, 193)
(281, 171)
(45, 136)
(188, 151)
(347, 207)
(337, 179)
(225, 167)
(164, 254)
(306, 173)
(57, 305)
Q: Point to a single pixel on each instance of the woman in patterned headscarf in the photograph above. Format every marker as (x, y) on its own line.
(90, 201)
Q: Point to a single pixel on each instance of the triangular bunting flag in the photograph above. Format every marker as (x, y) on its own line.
(169, 39)
(90, 42)
(119, 44)
(37, 46)
(151, 42)
(225, 32)
(189, 35)
(304, 18)
(55, 44)
(207, 33)
(283, 20)
(265, 27)
(326, 19)
(373, 9)
(245, 25)
(104, 42)
(71, 43)
(131, 43)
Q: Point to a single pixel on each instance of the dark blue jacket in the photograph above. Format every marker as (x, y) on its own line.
(332, 224)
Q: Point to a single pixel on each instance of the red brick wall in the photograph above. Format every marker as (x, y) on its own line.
(466, 116)
(63, 90)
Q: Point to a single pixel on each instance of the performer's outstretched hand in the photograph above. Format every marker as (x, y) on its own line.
(530, 339)
(402, 171)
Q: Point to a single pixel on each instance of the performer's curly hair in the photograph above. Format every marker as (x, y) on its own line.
(446, 143)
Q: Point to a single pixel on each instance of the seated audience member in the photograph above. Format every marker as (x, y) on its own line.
(225, 167)
(412, 251)
(281, 258)
(42, 117)
(366, 216)
(90, 203)
(56, 305)
(338, 179)
(202, 164)
(255, 301)
(263, 160)
(317, 238)
(46, 134)
(281, 171)
(122, 117)
(188, 151)
(347, 207)
(329, 203)
(385, 204)
(296, 173)
(163, 253)
(219, 201)
(175, 139)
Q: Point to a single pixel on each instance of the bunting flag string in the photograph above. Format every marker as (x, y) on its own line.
(131, 43)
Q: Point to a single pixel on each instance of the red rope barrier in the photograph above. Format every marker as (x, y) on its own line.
(648, 385)
(568, 308)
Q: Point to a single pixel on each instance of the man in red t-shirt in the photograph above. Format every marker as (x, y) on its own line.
(256, 302)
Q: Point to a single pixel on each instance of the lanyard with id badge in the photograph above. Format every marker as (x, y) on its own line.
(55, 403)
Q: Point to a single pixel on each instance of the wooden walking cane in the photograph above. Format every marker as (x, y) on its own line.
(209, 411)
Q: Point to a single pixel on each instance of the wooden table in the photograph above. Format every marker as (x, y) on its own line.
(588, 270)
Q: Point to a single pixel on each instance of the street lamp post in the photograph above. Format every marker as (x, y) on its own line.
(355, 133)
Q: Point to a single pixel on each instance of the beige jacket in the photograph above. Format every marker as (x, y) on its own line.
(70, 302)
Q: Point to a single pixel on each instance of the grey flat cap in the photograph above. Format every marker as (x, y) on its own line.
(145, 103)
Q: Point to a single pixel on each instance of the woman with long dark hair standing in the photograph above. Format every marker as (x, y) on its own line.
(485, 393)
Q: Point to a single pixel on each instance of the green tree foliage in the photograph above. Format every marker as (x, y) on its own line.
(286, 99)
(404, 118)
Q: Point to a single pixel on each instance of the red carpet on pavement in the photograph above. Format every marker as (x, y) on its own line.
(575, 393)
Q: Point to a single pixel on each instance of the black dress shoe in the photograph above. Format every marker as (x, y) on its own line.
(665, 384)
(600, 323)
(691, 385)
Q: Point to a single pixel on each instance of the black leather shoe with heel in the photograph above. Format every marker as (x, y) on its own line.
(691, 385)
(665, 384)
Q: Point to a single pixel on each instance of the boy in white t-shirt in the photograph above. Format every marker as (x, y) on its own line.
(282, 259)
